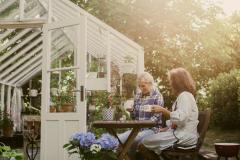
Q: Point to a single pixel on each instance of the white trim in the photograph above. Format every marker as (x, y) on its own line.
(19, 35)
(18, 63)
(8, 84)
(26, 78)
(15, 48)
(108, 59)
(8, 4)
(38, 69)
(21, 10)
(49, 16)
(9, 96)
(21, 53)
(45, 85)
(6, 33)
(25, 23)
(64, 24)
(24, 68)
(2, 96)
(62, 69)
(105, 26)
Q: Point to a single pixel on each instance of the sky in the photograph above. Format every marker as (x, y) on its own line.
(229, 6)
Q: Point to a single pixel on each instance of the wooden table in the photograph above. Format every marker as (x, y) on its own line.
(136, 126)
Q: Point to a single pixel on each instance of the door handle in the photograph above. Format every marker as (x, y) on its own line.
(82, 93)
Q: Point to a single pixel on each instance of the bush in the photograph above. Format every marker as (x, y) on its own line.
(224, 96)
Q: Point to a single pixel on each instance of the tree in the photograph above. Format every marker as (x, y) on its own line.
(186, 33)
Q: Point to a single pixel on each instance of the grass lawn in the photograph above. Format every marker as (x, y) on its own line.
(217, 135)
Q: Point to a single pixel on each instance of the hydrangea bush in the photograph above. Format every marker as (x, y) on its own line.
(90, 148)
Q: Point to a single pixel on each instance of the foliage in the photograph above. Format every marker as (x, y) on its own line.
(173, 33)
(5, 120)
(224, 98)
(93, 66)
(7, 152)
(90, 148)
(129, 85)
(102, 99)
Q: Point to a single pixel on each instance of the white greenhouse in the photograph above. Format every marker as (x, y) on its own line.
(66, 45)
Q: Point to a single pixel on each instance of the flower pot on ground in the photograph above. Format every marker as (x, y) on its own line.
(8, 131)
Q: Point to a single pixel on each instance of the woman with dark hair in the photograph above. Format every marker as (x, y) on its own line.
(183, 117)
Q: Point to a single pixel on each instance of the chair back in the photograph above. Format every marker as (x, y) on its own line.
(203, 118)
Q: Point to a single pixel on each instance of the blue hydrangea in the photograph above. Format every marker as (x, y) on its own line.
(108, 142)
(85, 139)
(77, 136)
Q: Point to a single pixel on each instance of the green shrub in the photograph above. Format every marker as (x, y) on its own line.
(224, 98)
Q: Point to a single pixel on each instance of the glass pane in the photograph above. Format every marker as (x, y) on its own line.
(62, 47)
(62, 91)
(96, 66)
(9, 9)
(35, 9)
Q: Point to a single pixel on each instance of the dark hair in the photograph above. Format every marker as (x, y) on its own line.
(181, 80)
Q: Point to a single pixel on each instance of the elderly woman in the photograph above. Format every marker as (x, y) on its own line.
(148, 95)
(184, 115)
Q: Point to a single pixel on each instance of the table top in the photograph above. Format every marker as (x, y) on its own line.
(124, 124)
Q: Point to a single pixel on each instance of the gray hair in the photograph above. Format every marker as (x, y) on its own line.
(146, 77)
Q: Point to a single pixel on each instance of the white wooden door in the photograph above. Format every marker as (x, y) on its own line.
(64, 58)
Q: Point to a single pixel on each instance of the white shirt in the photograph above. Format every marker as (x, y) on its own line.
(185, 117)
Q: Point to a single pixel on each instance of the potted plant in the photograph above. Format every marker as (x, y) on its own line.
(6, 153)
(6, 124)
(88, 147)
(101, 67)
(67, 102)
(103, 101)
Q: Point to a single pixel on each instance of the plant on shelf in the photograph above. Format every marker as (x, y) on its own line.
(101, 99)
(93, 66)
(88, 147)
(6, 123)
(63, 101)
(62, 92)
(67, 102)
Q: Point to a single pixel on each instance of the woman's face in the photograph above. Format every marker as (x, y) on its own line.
(145, 87)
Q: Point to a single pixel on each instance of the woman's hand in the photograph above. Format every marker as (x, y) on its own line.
(157, 109)
(160, 109)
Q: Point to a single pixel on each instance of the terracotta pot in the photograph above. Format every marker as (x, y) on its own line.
(8, 131)
(101, 75)
(227, 149)
(67, 108)
(52, 109)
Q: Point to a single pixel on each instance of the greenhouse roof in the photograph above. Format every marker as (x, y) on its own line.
(21, 38)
